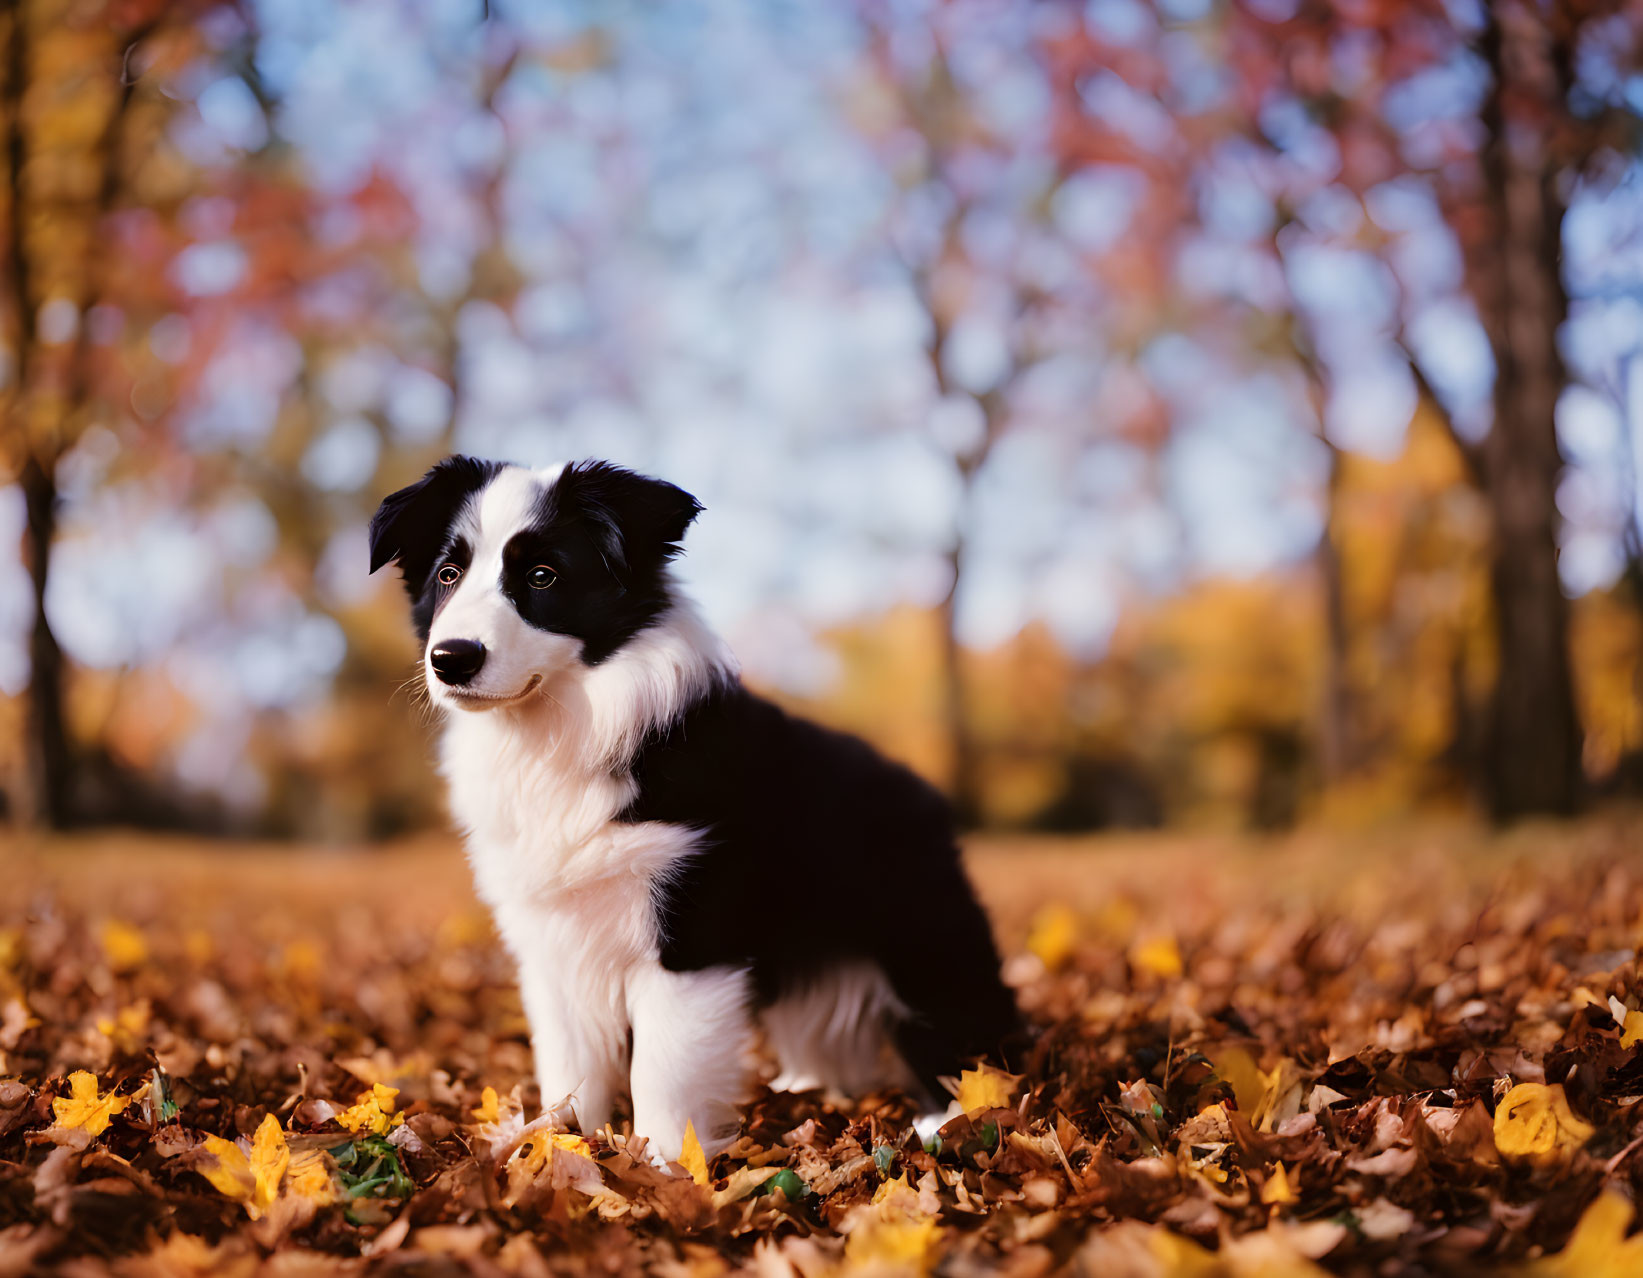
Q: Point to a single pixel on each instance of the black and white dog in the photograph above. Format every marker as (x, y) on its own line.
(672, 860)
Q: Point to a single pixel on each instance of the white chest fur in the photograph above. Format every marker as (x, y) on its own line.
(537, 787)
(537, 790)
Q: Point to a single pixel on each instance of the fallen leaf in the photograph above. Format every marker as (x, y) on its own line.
(897, 1193)
(489, 1109)
(899, 1245)
(15, 1021)
(227, 1168)
(742, 1182)
(268, 1159)
(1381, 1220)
(1054, 935)
(1534, 1123)
(1277, 1190)
(309, 1175)
(535, 1149)
(1237, 1068)
(1598, 1248)
(123, 945)
(985, 1088)
(125, 1029)
(1158, 955)
(691, 1157)
(83, 1108)
(373, 1111)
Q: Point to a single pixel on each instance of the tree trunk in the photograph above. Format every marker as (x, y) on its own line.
(50, 757)
(1338, 754)
(965, 783)
(1532, 756)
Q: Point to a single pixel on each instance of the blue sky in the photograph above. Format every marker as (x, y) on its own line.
(711, 294)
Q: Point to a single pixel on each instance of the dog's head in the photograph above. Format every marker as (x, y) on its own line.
(516, 575)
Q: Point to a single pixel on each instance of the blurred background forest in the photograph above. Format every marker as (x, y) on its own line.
(1216, 412)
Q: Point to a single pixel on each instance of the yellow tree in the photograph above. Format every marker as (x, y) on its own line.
(1497, 115)
(81, 119)
(972, 224)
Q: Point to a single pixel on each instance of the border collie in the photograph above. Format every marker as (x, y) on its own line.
(673, 861)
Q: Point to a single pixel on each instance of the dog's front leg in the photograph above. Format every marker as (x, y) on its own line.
(579, 1044)
(691, 1034)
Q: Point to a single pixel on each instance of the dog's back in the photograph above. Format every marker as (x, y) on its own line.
(822, 866)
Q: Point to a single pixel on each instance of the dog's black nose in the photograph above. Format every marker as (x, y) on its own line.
(456, 661)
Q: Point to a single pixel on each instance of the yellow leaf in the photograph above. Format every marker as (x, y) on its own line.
(691, 1157)
(123, 945)
(1598, 1248)
(229, 1170)
(1054, 935)
(1183, 1258)
(891, 1189)
(83, 1107)
(125, 1028)
(901, 1244)
(984, 1088)
(572, 1142)
(1237, 1068)
(1116, 919)
(490, 1109)
(373, 1111)
(1277, 1189)
(254, 1178)
(1534, 1123)
(535, 1149)
(309, 1176)
(1157, 955)
(269, 1157)
(1632, 1031)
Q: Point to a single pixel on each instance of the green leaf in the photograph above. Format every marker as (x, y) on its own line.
(370, 1168)
(884, 1158)
(789, 1182)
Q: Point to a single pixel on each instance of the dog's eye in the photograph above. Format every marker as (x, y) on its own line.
(540, 577)
(448, 575)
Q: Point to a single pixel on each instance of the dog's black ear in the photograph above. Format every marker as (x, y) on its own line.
(411, 525)
(636, 522)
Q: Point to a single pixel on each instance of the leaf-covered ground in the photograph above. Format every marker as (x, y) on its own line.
(1403, 1054)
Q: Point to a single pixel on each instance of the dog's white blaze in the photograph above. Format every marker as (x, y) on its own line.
(477, 609)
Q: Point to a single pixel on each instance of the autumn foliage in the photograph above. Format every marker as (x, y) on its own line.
(1376, 1056)
(1110, 235)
